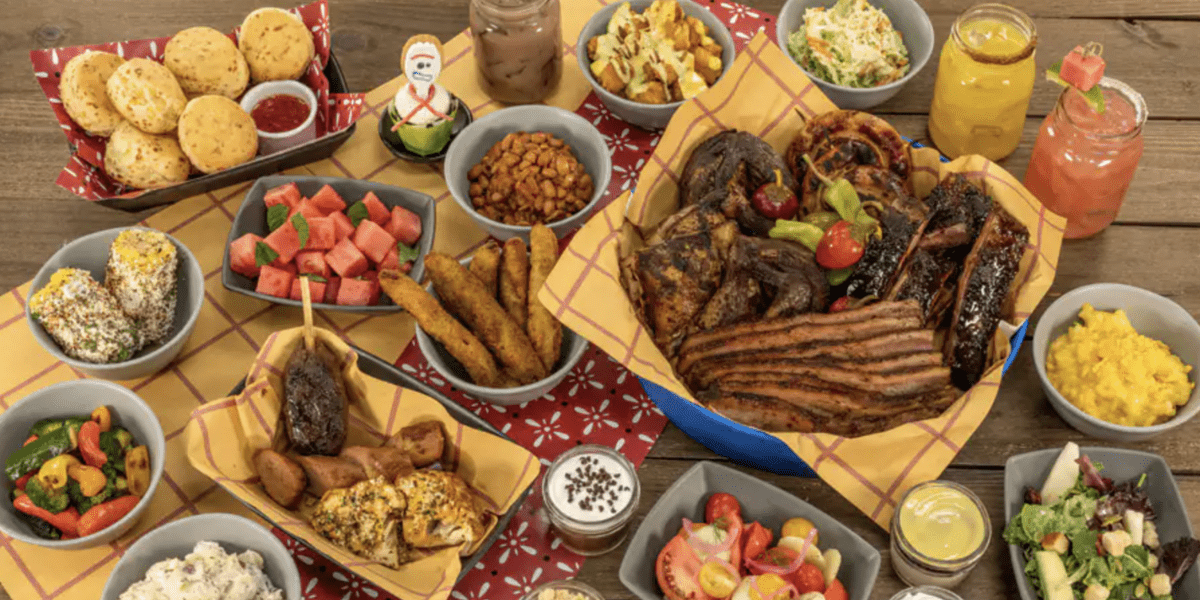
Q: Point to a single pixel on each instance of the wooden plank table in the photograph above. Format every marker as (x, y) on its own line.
(1151, 45)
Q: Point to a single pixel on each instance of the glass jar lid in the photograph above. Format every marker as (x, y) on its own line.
(914, 593)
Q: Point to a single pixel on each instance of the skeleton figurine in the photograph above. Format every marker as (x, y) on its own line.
(421, 116)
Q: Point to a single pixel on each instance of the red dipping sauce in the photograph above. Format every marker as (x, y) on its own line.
(279, 113)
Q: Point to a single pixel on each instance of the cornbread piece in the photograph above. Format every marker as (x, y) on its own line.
(84, 318)
(143, 160)
(276, 44)
(206, 61)
(83, 92)
(216, 134)
(142, 274)
(364, 519)
(147, 95)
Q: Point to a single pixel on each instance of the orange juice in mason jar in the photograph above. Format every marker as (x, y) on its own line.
(984, 80)
(1083, 161)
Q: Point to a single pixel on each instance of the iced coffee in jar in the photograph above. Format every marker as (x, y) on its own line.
(518, 48)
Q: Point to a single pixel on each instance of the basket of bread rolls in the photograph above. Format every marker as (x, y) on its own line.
(151, 122)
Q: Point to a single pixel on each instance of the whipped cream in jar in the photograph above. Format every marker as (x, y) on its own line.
(518, 48)
(591, 493)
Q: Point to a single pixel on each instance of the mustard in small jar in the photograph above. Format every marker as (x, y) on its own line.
(939, 532)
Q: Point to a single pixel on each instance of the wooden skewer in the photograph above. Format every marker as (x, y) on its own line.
(306, 296)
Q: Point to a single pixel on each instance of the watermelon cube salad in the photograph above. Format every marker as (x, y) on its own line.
(340, 247)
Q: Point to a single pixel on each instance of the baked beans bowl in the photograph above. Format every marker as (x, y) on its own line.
(539, 160)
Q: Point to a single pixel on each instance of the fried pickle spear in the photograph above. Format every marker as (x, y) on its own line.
(458, 341)
(464, 295)
(514, 280)
(485, 264)
(545, 332)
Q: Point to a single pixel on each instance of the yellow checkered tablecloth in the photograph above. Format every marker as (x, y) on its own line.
(232, 327)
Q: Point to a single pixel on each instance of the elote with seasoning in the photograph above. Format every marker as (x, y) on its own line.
(84, 318)
(141, 274)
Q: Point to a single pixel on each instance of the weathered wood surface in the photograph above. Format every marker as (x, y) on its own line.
(1154, 46)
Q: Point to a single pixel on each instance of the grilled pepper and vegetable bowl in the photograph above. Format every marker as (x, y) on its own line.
(77, 475)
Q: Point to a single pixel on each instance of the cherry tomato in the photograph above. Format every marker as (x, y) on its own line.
(836, 591)
(808, 578)
(778, 556)
(774, 200)
(838, 248)
(799, 527)
(840, 304)
(755, 539)
(721, 504)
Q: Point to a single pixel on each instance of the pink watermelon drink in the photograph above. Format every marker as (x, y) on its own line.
(1084, 159)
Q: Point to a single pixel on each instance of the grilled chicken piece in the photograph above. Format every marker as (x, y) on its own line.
(687, 221)
(442, 511)
(983, 292)
(724, 171)
(364, 519)
(789, 272)
(737, 300)
(670, 283)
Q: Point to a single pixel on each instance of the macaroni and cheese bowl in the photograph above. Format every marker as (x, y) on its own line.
(655, 115)
(1120, 393)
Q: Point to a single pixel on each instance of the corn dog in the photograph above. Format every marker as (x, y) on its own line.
(458, 341)
(485, 264)
(464, 295)
(514, 280)
(545, 332)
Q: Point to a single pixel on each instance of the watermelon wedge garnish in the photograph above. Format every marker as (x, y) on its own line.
(1082, 70)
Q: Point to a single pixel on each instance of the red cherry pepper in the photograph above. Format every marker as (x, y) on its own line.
(89, 444)
(774, 200)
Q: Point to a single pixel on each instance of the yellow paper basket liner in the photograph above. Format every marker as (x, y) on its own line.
(223, 435)
(761, 94)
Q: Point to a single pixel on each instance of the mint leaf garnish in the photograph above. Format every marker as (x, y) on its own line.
(301, 225)
(264, 254)
(357, 212)
(405, 253)
(276, 216)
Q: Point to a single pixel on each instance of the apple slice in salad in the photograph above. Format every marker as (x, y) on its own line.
(1083, 535)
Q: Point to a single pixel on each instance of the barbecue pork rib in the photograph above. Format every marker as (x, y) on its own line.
(983, 292)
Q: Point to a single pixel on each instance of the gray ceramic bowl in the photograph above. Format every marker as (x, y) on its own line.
(71, 398)
(90, 253)
(469, 147)
(1030, 470)
(760, 502)
(1151, 315)
(647, 116)
(573, 347)
(252, 218)
(177, 539)
(907, 17)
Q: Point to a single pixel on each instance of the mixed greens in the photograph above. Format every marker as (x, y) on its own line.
(1086, 538)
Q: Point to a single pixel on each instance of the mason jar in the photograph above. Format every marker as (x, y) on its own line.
(984, 80)
(1084, 161)
(518, 48)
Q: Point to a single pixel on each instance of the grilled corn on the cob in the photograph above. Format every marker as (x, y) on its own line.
(141, 274)
(84, 318)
